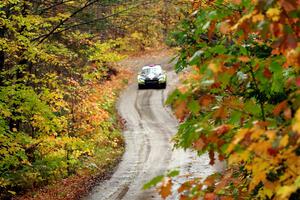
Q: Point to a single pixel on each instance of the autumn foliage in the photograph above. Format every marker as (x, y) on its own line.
(240, 98)
(59, 83)
(57, 96)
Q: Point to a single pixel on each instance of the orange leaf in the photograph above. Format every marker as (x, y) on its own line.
(184, 186)
(287, 114)
(280, 107)
(224, 27)
(165, 189)
(210, 180)
(244, 58)
(199, 144)
(206, 100)
(222, 129)
(181, 110)
(183, 197)
(262, 124)
(210, 196)
(220, 113)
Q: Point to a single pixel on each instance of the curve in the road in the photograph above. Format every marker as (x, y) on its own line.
(150, 126)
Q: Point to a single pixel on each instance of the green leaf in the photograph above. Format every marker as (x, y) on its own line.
(219, 49)
(173, 173)
(275, 67)
(253, 108)
(153, 182)
(235, 117)
(194, 107)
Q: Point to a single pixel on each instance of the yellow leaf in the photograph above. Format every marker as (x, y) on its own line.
(257, 134)
(273, 13)
(296, 125)
(257, 18)
(265, 192)
(284, 141)
(285, 191)
(238, 137)
(214, 67)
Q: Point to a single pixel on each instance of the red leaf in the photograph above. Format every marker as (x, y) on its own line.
(216, 85)
(267, 73)
(298, 81)
(222, 129)
(279, 108)
(211, 157)
(272, 151)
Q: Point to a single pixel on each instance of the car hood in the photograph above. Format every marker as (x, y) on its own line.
(151, 75)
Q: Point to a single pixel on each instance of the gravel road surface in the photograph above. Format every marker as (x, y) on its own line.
(149, 150)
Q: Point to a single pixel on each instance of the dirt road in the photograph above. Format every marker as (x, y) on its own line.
(150, 127)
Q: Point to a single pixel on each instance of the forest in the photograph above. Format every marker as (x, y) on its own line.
(238, 101)
(59, 81)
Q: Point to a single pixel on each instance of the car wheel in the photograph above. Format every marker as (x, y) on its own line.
(163, 85)
(140, 87)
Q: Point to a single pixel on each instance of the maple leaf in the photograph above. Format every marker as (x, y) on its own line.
(166, 189)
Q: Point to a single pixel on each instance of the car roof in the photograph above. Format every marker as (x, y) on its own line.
(152, 66)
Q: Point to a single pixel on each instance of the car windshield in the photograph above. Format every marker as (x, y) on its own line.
(150, 70)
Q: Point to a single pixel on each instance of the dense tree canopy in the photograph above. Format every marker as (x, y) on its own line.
(58, 85)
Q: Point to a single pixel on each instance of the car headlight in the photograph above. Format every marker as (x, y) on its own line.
(141, 78)
(162, 77)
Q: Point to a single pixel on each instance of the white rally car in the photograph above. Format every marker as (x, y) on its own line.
(152, 76)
